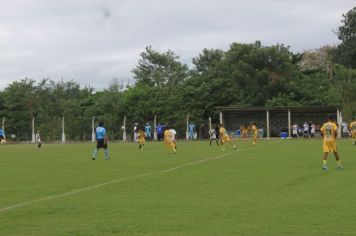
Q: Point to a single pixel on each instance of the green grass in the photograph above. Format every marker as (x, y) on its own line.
(276, 188)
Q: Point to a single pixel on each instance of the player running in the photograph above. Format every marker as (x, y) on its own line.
(212, 135)
(174, 132)
(329, 133)
(168, 141)
(101, 140)
(141, 138)
(224, 137)
(254, 132)
(353, 130)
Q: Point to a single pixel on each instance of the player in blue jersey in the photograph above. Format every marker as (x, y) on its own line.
(191, 130)
(101, 140)
(148, 131)
(2, 136)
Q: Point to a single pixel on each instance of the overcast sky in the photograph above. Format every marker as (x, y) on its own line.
(94, 41)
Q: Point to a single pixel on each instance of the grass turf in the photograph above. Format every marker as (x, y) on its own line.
(275, 188)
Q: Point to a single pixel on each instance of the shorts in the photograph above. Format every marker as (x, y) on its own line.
(2, 137)
(100, 143)
(225, 138)
(329, 146)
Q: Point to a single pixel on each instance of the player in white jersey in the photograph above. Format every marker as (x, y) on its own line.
(212, 135)
(306, 130)
(295, 130)
(174, 132)
(38, 140)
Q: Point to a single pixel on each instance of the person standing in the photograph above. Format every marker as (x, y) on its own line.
(345, 129)
(191, 130)
(159, 130)
(38, 140)
(148, 131)
(295, 130)
(312, 130)
(101, 140)
(329, 133)
(254, 133)
(306, 130)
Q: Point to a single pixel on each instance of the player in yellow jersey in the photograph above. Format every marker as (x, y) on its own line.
(353, 130)
(168, 140)
(329, 133)
(141, 138)
(224, 136)
(254, 132)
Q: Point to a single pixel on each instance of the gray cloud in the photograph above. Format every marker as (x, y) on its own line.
(93, 41)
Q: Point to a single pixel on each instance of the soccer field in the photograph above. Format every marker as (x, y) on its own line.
(275, 188)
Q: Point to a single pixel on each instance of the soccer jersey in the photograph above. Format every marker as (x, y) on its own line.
(191, 128)
(212, 133)
(312, 130)
(141, 137)
(329, 130)
(100, 133)
(148, 130)
(306, 127)
(254, 130)
(353, 129)
(173, 132)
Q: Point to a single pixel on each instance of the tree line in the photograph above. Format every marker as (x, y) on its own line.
(244, 75)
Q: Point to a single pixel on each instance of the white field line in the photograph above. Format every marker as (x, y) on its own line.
(19, 205)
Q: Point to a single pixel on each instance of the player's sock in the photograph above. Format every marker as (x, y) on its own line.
(139, 146)
(325, 167)
(107, 154)
(234, 146)
(94, 153)
(339, 164)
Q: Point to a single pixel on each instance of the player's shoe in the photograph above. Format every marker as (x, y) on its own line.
(235, 147)
(325, 167)
(340, 167)
(93, 158)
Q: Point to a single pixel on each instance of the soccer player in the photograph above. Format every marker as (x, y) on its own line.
(174, 132)
(306, 130)
(312, 130)
(295, 130)
(135, 135)
(254, 132)
(160, 129)
(101, 140)
(212, 135)
(244, 131)
(168, 141)
(141, 138)
(2, 136)
(148, 131)
(191, 130)
(329, 133)
(224, 137)
(345, 130)
(353, 130)
(38, 140)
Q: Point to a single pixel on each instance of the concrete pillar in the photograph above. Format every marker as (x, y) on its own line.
(338, 120)
(33, 131)
(267, 124)
(221, 117)
(289, 124)
(209, 123)
(3, 126)
(124, 136)
(92, 130)
(187, 130)
(155, 137)
(63, 134)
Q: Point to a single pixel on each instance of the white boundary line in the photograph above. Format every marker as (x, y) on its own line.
(19, 205)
